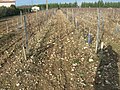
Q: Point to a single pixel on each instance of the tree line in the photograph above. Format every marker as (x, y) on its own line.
(102, 4)
(8, 11)
(12, 11)
(58, 5)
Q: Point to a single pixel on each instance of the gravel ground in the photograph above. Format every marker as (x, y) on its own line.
(61, 60)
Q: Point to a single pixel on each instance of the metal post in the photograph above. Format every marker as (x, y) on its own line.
(89, 37)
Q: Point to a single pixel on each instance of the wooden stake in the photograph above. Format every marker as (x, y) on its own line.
(24, 53)
(73, 15)
(98, 30)
(102, 29)
(76, 22)
(21, 17)
(37, 20)
(36, 15)
(12, 23)
(7, 27)
(46, 4)
(25, 34)
(17, 21)
(67, 13)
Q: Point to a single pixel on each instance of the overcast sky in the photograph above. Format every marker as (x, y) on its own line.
(28, 2)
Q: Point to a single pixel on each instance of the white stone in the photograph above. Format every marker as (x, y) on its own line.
(71, 78)
(82, 59)
(20, 70)
(91, 60)
(32, 57)
(75, 64)
(72, 69)
(91, 85)
(17, 84)
(102, 44)
(107, 82)
(85, 47)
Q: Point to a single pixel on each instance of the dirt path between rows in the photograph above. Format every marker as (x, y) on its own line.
(60, 60)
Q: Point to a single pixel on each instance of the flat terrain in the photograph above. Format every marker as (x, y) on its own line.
(59, 57)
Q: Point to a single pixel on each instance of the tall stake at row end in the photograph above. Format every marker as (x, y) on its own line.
(98, 31)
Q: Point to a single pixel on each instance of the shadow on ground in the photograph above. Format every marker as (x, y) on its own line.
(107, 77)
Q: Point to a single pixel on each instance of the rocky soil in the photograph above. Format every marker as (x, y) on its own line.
(60, 59)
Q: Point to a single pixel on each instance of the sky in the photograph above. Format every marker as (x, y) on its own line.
(30, 2)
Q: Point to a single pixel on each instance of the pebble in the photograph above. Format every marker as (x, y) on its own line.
(75, 64)
(72, 69)
(71, 78)
(20, 70)
(91, 60)
(91, 85)
(85, 47)
(99, 76)
(82, 59)
(17, 84)
(32, 57)
(107, 82)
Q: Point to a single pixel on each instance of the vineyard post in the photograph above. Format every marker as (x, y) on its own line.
(46, 13)
(25, 34)
(76, 22)
(28, 10)
(36, 15)
(17, 21)
(46, 4)
(102, 28)
(53, 11)
(24, 53)
(7, 27)
(21, 16)
(73, 15)
(12, 23)
(89, 37)
(37, 20)
(102, 32)
(114, 13)
(67, 13)
(98, 31)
